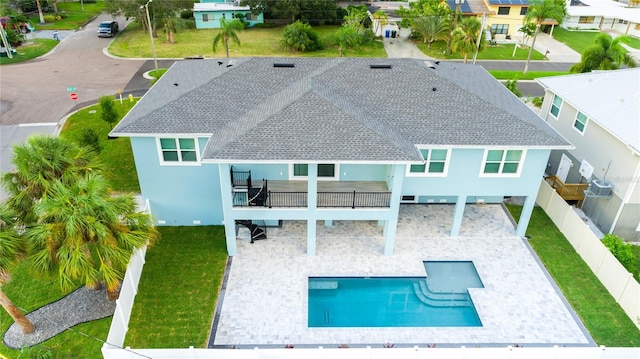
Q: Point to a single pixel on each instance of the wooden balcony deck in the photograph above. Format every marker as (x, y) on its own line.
(568, 191)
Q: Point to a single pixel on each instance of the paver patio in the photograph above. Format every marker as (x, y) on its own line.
(265, 302)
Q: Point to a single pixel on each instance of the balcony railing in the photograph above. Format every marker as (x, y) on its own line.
(271, 199)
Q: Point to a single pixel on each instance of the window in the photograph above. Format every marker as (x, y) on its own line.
(637, 27)
(252, 17)
(499, 29)
(620, 21)
(585, 20)
(502, 162)
(325, 170)
(435, 163)
(555, 106)
(178, 150)
(503, 10)
(523, 10)
(581, 122)
(205, 17)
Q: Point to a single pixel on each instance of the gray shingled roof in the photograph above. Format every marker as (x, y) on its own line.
(334, 109)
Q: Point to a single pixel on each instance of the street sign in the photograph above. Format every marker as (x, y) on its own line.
(74, 96)
(71, 88)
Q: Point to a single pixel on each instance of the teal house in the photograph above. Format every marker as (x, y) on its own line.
(257, 141)
(208, 13)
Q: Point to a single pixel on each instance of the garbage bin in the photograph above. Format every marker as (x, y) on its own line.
(393, 33)
(386, 33)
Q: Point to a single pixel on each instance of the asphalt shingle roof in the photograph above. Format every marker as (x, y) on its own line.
(334, 109)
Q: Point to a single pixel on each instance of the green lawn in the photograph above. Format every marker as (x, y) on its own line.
(509, 75)
(577, 40)
(178, 289)
(604, 318)
(634, 42)
(132, 42)
(74, 15)
(30, 50)
(116, 154)
(498, 52)
(30, 293)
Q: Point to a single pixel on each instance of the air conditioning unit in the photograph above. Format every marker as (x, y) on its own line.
(600, 188)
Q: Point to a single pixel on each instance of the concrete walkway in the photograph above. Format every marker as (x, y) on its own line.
(558, 52)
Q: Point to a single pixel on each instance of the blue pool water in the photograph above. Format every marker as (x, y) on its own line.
(397, 301)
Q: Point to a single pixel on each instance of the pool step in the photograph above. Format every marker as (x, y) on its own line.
(453, 301)
(325, 284)
(424, 287)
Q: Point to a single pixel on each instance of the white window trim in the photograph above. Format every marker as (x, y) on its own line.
(499, 174)
(559, 108)
(179, 162)
(336, 172)
(586, 123)
(426, 164)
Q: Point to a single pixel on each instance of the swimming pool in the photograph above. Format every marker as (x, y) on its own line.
(397, 301)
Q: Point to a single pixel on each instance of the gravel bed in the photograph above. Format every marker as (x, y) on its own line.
(80, 306)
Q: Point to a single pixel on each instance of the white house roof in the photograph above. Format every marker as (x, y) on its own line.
(610, 98)
(606, 8)
(213, 6)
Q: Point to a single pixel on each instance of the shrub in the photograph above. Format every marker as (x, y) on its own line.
(266, 25)
(49, 18)
(186, 14)
(89, 138)
(621, 250)
(109, 113)
(300, 37)
(512, 85)
(58, 18)
(537, 101)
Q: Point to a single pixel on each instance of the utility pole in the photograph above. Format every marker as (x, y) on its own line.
(484, 19)
(153, 45)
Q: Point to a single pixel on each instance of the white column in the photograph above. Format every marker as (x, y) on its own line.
(312, 204)
(227, 205)
(391, 224)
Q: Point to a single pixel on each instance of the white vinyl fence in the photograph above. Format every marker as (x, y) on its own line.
(620, 283)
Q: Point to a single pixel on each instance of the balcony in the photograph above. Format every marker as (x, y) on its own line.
(331, 194)
(568, 191)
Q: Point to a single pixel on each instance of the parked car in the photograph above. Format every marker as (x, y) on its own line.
(107, 29)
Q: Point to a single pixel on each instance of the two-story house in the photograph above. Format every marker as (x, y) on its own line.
(256, 141)
(599, 113)
(207, 13)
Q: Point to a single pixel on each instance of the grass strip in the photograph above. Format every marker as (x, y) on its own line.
(30, 50)
(179, 288)
(531, 75)
(605, 320)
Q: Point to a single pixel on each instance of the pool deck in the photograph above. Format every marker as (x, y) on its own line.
(265, 300)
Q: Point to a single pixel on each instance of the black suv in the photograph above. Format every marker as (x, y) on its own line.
(107, 29)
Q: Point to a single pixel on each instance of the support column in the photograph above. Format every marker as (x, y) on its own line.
(391, 224)
(227, 207)
(312, 206)
(525, 216)
(458, 214)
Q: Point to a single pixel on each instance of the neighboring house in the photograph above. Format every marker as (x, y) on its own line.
(603, 15)
(255, 141)
(208, 13)
(505, 17)
(599, 113)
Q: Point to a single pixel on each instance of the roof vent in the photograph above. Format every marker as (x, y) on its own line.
(380, 66)
(284, 64)
(431, 64)
(433, 89)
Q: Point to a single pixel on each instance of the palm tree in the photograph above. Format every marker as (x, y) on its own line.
(39, 161)
(228, 31)
(431, 28)
(606, 53)
(10, 247)
(539, 11)
(86, 234)
(465, 36)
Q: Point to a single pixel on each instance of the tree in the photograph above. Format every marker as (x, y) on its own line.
(38, 162)
(539, 11)
(606, 53)
(86, 234)
(300, 37)
(10, 247)
(465, 36)
(228, 30)
(380, 19)
(512, 85)
(431, 28)
(109, 113)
